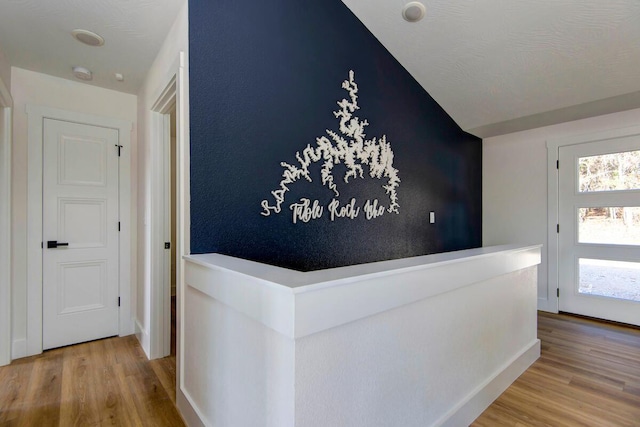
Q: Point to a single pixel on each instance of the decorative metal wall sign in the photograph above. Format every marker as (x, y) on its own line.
(349, 147)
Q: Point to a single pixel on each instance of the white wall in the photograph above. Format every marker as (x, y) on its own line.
(28, 87)
(6, 106)
(514, 186)
(158, 77)
(5, 69)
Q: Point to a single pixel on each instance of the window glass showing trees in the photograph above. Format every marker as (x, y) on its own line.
(609, 172)
(609, 225)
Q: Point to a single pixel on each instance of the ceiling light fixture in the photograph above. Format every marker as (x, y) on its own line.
(82, 73)
(413, 11)
(87, 37)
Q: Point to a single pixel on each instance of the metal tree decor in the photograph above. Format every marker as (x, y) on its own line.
(348, 146)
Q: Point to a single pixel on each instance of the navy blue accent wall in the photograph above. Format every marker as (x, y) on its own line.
(264, 82)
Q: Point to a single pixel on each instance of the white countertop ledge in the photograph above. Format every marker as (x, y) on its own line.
(297, 303)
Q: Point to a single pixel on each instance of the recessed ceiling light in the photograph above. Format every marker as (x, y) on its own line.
(413, 11)
(82, 73)
(87, 37)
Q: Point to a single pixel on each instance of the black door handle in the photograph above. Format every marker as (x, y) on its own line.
(54, 244)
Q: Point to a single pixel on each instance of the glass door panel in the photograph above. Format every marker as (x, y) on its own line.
(609, 172)
(599, 229)
(610, 279)
(611, 225)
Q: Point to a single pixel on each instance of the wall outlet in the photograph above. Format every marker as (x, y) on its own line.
(432, 217)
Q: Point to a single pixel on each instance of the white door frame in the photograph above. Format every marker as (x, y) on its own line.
(6, 108)
(160, 222)
(36, 115)
(173, 92)
(553, 203)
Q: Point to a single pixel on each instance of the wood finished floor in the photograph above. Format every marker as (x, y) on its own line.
(588, 375)
(108, 382)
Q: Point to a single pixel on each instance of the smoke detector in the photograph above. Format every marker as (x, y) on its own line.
(87, 37)
(413, 11)
(82, 73)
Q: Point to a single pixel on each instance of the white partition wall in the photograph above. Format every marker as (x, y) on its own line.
(420, 341)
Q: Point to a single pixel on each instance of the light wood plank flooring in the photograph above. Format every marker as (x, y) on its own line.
(588, 375)
(106, 382)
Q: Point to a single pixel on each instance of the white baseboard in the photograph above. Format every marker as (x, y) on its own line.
(5, 352)
(190, 413)
(143, 338)
(127, 328)
(470, 408)
(19, 349)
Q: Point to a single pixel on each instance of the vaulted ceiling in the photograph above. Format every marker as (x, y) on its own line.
(496, 66)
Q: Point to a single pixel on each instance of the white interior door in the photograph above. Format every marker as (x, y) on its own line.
(599, 242)
(80, 213)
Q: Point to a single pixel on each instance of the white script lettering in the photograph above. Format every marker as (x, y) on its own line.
(305, 211)
(347, 211)
(372, 210)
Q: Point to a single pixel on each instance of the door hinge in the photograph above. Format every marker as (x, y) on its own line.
(557, 228)
(167, 245)
(558, 292)
(118, 301)
(118, 225)
(557, 164)
(41, 245)
(119, 149)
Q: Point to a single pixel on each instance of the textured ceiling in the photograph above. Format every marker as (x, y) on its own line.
(495, 66)
(503, 65)
(36, 35)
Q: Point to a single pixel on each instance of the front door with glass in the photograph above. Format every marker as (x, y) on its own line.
(599, 242)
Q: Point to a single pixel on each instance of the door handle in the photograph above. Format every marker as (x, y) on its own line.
(54, 244)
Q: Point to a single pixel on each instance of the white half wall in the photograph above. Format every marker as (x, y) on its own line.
(423, 341)
(420, 364)
(28, 87)
(514, 187)
(247, 375)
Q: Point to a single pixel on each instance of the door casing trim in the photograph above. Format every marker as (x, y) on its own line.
(160, 330)
(551, 303)
(6, 109)
(36, 115)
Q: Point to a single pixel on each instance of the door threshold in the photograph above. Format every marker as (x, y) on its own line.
(599, 320)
